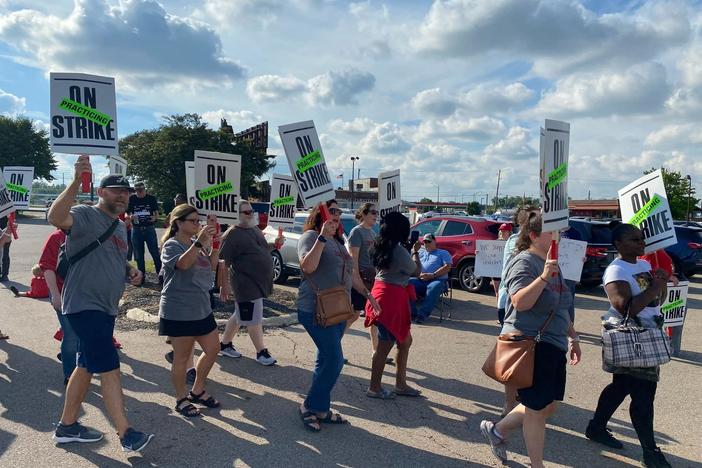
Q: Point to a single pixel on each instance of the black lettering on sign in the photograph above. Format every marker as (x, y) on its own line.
(673, 295)
(640, 199)
(87, 98)
(555, 197)
(17, 179)
(391, 191)
(283, 190)
(304, 145)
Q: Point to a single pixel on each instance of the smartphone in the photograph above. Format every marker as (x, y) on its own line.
(246, 311)
(414, 237)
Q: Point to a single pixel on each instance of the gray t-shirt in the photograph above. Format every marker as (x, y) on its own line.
(523, 269)
(250, 265)
(335, 258)
(185, 294)
(97, 281)
(401, 268)
(363, 238)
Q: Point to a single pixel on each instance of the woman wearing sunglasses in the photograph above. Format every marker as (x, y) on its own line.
(185, 312)
(325, 264)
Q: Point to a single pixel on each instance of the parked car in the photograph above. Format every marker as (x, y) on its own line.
(600, 251)
(687, 253)
(457, 235)
(285, 260)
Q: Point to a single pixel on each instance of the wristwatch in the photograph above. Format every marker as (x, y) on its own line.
(198, 244)
(321, 239)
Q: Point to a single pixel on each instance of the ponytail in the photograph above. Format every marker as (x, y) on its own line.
(178, 214)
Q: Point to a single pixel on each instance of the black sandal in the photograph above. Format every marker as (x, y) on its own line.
(188, 410)
(310, 421)
(333, 418)
(210, 401)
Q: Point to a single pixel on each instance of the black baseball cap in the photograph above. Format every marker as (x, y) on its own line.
(115, 181)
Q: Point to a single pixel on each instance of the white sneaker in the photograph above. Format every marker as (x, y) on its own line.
(497, 445)
(265, 358)
(228, 350)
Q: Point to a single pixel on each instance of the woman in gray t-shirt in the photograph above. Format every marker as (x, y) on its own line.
(184, 311)
(536, 291)
(325, 263)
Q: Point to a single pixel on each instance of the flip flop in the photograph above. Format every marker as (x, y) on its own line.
(408, 392)
(381, 395)
(333, 418)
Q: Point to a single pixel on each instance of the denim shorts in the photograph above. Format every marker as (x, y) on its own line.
(94, 329)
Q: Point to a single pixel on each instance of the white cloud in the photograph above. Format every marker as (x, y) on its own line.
(358, 126)
(239, 120)
(675, 136)
(483, 98)
(642, 89)
(137, 41)
(331, 88)
(461, 126)
(11, 104)
(385, 138)
(433, 102)
(515, 145)
(557, 34)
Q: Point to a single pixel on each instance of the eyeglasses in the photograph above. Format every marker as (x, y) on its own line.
(334, 211)
(192, 220)
(373, 212)
(247, 212)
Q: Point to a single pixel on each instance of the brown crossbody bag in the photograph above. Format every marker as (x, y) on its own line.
(512, 359)
(333, 304)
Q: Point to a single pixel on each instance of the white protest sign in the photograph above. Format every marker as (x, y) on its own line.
(218, 185)
(7, 206)
(675, 306)
(488, 258)
(644, 203)
(553, 174)
(117, 165)
(18, 180)
(306, 161)
(571, 253)
(283, 201)
(190, 182)
(83, 114)
(389, 197)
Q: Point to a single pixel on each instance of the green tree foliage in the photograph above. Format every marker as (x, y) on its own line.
(424, 209)
(676, 187)
(158, 156)
(473, 208)
(21, 144)
(509, 202)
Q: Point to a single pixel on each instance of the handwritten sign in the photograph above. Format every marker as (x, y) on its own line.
(674, 308)
(488, 258)
(570, 258)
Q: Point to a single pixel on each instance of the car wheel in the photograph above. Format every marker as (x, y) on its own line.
(467, 278)
(279, 275)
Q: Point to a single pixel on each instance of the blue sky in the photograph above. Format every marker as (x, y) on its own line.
(450, 92)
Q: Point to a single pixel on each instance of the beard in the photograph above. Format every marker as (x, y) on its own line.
(113, 207)
(248, 222)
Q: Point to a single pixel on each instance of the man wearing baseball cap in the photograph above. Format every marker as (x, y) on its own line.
(436, 265)
(92, 288)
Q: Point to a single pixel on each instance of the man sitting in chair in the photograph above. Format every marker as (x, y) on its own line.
(436, 265)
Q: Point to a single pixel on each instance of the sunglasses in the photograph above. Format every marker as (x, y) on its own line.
(373, 212)
(428, 241)
(334, 211)
(192, 220)
(247, 212)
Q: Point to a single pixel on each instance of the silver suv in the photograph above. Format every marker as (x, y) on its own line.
(285, 261)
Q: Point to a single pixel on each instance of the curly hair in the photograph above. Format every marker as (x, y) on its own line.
(394, 229)
(314, 220)
(531, 224)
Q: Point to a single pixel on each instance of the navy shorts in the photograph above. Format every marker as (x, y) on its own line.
(549, 378)
(95, 328)
(384, 334)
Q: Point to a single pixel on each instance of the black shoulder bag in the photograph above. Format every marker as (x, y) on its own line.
(65, 262)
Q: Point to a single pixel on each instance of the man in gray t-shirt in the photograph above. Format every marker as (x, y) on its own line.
(91, 293)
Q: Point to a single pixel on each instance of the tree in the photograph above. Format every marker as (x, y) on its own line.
(158, 156)
(423, 209)
(474, 208)
(676, 188)
(21, 144)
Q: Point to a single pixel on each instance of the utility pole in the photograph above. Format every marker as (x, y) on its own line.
(497, 192)
(353, 183)
(689, 195)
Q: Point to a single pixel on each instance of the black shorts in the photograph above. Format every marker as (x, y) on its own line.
(177, 328)
(549, 378)
(384, 334)
(94, 329)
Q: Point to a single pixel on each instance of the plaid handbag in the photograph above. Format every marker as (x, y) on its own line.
(629, 345)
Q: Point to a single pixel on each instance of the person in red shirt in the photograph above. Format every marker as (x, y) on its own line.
(660, 259)
(37, 289)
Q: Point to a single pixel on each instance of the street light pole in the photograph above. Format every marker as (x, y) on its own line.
(353, 183)
(689, 195)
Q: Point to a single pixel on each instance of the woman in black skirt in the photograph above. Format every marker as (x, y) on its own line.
(185, 312)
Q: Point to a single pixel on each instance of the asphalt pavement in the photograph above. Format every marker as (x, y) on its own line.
(258, 424)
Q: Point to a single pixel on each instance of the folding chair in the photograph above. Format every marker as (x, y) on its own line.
(445, 300)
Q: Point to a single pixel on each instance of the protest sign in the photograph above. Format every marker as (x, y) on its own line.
(675, 306)
(18, 180)
(644, 203)
(83, 114)
(571, 253)
(217, 185)
(553, 174)
(389, 197)
(7, 206)
(306, 161)
(283, 201)
(488, 258)
(117, 165)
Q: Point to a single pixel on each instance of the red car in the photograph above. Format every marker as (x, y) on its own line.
(457, 235)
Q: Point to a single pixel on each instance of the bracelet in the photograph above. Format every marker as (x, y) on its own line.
(542, 279)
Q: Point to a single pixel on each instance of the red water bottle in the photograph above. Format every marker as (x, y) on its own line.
(86, 178)
(553, 252)
(11, 224)
(277, 239)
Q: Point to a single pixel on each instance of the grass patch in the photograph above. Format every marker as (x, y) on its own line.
(149, 264)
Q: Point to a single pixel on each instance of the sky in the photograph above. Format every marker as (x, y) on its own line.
(450, 92)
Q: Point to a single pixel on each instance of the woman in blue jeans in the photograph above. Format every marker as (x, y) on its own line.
(325, 263)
